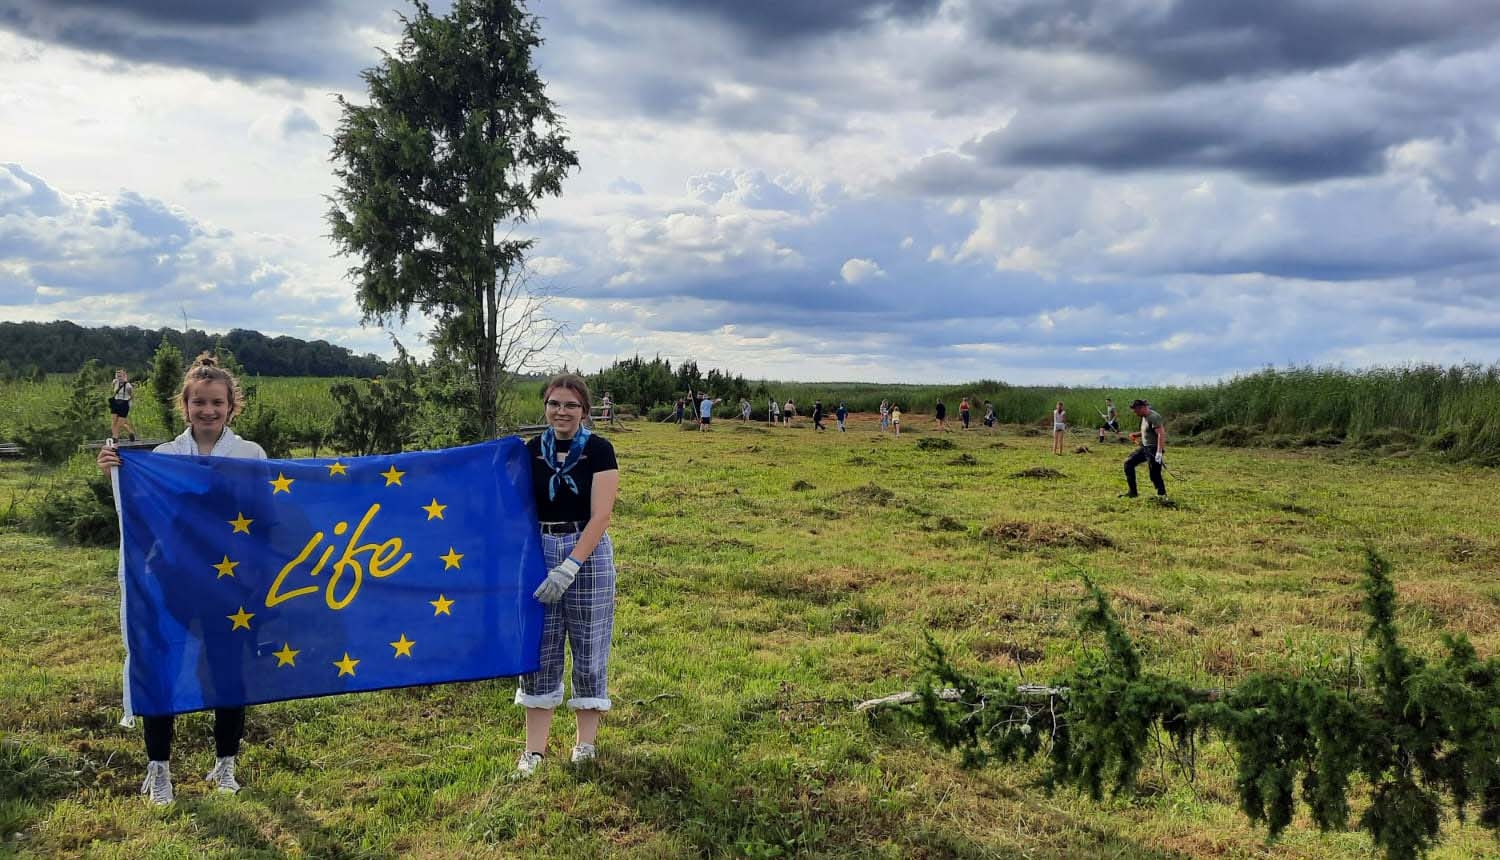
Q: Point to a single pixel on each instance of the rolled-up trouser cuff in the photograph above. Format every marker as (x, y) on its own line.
(590, 704)
(548, 701)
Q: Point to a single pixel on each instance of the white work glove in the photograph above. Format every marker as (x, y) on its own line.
(557, 581)
(1160, 461)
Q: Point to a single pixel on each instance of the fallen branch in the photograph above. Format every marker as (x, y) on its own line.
(911, 697)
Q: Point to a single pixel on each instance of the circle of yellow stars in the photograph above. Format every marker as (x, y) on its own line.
(287, 655)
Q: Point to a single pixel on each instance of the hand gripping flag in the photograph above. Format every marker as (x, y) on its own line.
(246, 581)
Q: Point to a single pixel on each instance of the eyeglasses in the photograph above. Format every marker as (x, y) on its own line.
(565, 407)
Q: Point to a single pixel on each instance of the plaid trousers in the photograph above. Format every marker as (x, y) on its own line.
(585, 619)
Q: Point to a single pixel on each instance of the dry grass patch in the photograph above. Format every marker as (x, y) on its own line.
(1027, 536)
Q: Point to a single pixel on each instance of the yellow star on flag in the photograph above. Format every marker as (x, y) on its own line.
(240, 524)
(241, 619)
(286, 656)
(442, 605)
(283, 484)
(337, 468)
(346, 665)
(434, 510)
(451, 559)
(392, 476)
(403, 646)
(226, 568)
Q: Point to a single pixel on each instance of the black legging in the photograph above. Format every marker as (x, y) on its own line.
(229, 727)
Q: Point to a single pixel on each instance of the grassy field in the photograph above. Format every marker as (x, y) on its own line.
(769, 580)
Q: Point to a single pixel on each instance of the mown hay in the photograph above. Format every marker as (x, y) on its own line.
(1025, 536)
(946, 523)
(964, 459)
(799, 486)
(1037, 472)
(935, 443)
(869, 494)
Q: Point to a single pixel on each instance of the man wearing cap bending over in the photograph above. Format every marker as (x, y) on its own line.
(1152, 450)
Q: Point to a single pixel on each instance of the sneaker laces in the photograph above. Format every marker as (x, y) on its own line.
(158, 783)
(223, 775)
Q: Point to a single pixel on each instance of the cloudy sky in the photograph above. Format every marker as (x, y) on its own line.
(900, 190)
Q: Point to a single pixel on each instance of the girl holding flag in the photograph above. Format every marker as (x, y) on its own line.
(210, 399)
(575, 479)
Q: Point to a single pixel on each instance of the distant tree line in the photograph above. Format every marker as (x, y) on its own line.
(645, 384)
(59, 347)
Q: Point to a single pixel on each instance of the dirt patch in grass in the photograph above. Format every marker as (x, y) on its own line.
(751, 428)
(1081, 449)
(869, 494)
(946, 523)
(998, 445)
(801, 486)
(1041, 472)
(1024, 536)
(964, 459)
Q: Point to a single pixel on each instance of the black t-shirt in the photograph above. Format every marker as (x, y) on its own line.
(598, 456)
(942, 411)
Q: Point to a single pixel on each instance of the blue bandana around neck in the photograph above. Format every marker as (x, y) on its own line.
(560, 472)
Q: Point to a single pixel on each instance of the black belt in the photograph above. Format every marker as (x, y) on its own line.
(563, 528)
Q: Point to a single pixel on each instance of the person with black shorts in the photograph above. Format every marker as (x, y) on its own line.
(120, 394)
(940, 414)
(1111, 419)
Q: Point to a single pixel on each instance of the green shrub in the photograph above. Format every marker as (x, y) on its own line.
(82, 513)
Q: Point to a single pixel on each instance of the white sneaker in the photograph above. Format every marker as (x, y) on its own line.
(583, 753)
(222, 776)
(158, 784)
(527, 764)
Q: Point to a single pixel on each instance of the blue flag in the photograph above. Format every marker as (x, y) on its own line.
(247, 581)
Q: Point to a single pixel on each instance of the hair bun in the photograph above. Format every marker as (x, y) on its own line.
(206, 359)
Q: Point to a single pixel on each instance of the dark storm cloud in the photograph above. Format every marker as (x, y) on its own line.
(1185, 40)
(218, 12)
(312, 41)
(951, 174)
(799, 19)
(1280, 136)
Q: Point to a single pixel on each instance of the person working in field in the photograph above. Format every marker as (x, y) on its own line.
(963, 412)
(120, 394)
(842, 414)
(940, 415)
(574, 481)
(1111, 419)
(817, 416)
(789, 412)
(1059, 427)
(885, 415)
(1151, 450)
(896, 419)
(210, 399)
(706, 412)
(989, 414)
(773, 412)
